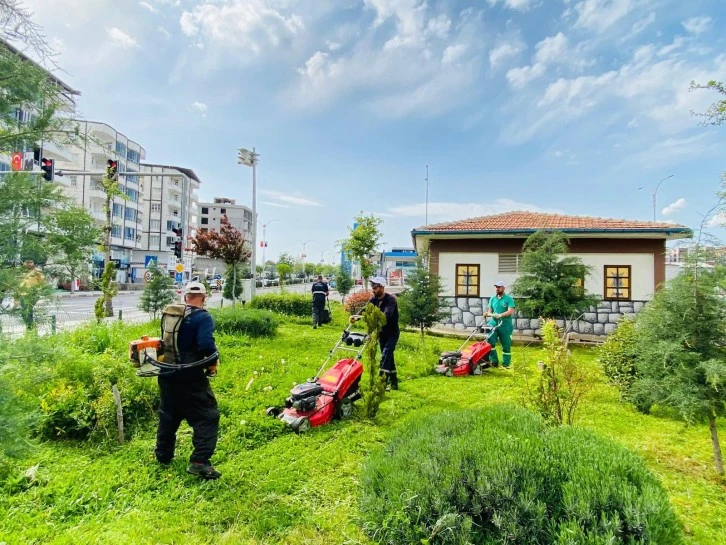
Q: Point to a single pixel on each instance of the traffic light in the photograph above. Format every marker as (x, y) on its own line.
(47, 166)
(112, 170)
(178, 249)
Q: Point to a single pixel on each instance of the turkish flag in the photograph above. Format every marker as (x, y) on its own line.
(17, 161)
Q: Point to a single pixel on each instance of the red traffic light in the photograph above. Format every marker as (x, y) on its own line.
(46, 162)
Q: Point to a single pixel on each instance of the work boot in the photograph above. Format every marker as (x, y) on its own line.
(206, 471)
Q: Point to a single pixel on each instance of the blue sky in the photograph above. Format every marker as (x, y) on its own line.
(548, 105)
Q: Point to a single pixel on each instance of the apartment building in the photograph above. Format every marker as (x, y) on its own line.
(99, 143)
(170, 202)
(210, 218)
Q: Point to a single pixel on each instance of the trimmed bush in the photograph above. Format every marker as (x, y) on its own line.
(288, 304)
(253, 323)
(356, 302)
(503, 476)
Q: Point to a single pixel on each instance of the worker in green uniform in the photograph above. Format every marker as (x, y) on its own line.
(501, 307)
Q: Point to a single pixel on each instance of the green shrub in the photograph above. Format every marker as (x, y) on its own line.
(503, 476)
(289, 304)
(618, 355)
(253, 323)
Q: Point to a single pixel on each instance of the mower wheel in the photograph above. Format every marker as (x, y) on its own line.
(476, 370)
(303, 426)
(345, 408)
(273, 411)
(449, 372)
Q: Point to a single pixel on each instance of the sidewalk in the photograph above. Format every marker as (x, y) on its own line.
(64, 294)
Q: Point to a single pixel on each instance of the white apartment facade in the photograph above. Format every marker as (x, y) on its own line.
(210, 219)
(100, 143)
(170, 202)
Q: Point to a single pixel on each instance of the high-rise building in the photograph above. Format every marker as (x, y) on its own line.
(100, 142)
(210, 218)
(170, 214)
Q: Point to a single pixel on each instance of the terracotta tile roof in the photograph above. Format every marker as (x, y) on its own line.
(533, 221)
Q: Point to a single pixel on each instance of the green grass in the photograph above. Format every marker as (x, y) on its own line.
(280, 488)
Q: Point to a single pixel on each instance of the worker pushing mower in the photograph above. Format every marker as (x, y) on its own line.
(329, 394)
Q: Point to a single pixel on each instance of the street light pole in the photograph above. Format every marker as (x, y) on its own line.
(655, 193)
(264, 241)
(249, 159)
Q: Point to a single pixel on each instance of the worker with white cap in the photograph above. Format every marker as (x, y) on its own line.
(501, 307)
(390, 332)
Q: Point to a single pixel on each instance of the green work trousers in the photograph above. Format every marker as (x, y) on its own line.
(502, 334)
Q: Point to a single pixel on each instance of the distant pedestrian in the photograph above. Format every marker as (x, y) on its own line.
(501, 307)
(320, 294)
(388, 338)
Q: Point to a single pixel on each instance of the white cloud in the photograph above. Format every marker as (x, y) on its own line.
(697, 25)
(717, 220)
(640, 26)
(276, 204)
(551, 49)
(287, 198)
(164, 32)
(119, 38)
(519, 5)
(199, 107)
(520, 77)
(453, 53)
(148, 6)
(504, 51)
(450, 211)
(240, 24)
(599, 15)
(674, 207)
(332, 46)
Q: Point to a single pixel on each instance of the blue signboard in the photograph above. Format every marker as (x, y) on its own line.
(149, 259)
(179, 277)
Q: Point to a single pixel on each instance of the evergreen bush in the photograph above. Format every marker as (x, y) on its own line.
(253, 323)
(289, 304)
(503, 476)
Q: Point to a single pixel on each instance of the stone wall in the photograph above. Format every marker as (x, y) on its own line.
(466, 312)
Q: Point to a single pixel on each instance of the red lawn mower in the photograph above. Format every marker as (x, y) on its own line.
(328, 395)
(471, 360)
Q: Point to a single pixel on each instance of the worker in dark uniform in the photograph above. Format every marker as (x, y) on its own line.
(388, 338)
(320, 293)
(186, 394)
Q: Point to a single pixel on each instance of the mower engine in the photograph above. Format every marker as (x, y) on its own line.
(303, 397)
(140, 349)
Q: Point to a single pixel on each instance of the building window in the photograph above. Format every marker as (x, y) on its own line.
(617, 282)
(204, 229)
(155, 224)
(223, 210)
(170, 241)
(156, 207)
(205, 221)
(467, 280)
(154, 240)
(130, 214)
(74, 181)
(205, 210)
(117, 208)
(509, 263)
(129, 233)
(116, 231)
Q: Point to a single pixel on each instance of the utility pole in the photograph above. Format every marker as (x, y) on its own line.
(655, 192)
(264, 241)
(427, 195)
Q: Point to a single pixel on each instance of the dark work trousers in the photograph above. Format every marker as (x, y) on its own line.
(194, 402)
(388, 364)
(318, 307)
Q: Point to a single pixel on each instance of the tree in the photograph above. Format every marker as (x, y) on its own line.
(73, 235)
(109, 185)
(682, 359)
(228, 244)
(551, 284)
(716, 113)
(419, 302)
(233, 282)
(283, 270)
(309, 269)
(158, 292)
(343, 281)
(362, 242)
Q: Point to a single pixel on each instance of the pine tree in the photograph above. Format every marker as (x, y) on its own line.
(343, 281)
(419, 303)
(158, 292)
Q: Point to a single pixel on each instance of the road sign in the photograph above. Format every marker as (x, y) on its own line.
(217, 276)
(17, 161)
(219, 284)
(147, 276)
(179, 277)
(179, 268)
(150, 261)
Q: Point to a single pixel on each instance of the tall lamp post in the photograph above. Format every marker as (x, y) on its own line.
(655, 193)
(427, 195)
(303, 256)
(249, 159)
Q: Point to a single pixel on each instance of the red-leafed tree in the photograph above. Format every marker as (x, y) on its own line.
(228, 244)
